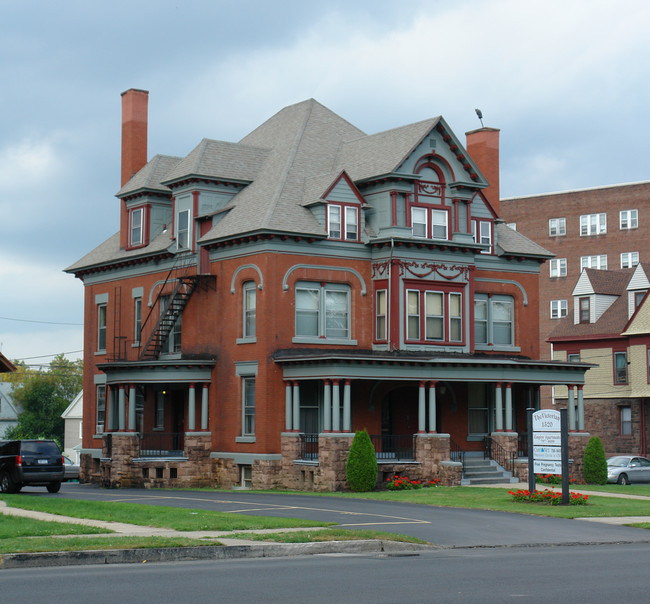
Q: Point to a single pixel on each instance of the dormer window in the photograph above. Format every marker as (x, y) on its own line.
(183, 230)
(585, 310)
(482, 232)
(136, 226)
(420, 222)
(343, 222)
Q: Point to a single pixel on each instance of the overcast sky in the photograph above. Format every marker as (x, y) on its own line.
(566, 81)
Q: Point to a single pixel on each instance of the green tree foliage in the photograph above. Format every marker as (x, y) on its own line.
(43, 396)
(595, 462)
(361, 467)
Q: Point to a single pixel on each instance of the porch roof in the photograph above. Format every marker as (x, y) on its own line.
(167, 371)
(423, 365)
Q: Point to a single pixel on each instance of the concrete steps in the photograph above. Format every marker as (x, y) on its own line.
(477, 471)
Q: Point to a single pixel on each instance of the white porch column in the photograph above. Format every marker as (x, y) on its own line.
(336, 406)
(204, 407)
(327, 406)
(296, 407)
(509, 407)
(191, 408)
(288, 407)
(422, 409)
(131, 407)
(581, 410)
(498, 404)
(432, 407)
(347, 416)
(572, 409)
(121, 409)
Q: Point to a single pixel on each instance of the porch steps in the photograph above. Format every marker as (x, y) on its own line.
(477, 471)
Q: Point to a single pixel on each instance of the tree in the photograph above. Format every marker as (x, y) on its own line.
(595, 462)
(43, 397)
(361, 467)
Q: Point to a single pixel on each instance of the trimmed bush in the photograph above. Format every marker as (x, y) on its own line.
(595, 462)
(361, 467)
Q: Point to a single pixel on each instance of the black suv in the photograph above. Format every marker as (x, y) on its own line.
(30, 462)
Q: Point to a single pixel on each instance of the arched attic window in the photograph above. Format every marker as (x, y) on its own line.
(429, 216)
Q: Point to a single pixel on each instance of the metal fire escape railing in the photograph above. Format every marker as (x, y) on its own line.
(186, 284)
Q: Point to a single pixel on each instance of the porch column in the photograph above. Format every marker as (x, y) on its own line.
(110, 412)
(422, 420)
(122, 409)
(204, 407)
(327, 406)
(572, 409)
(296, 407)
(191, 408)
(432, 406)
(131, 408)
(508, 407)
(581, 410)
(347, 422)
(498, 404)
(336, 406)
(288, 407)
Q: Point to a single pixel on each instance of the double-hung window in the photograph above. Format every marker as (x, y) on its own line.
(183, 230)
(556, 227)
(439, 227)
(101, 407)
(629, 259)
(558, 267)
(101, 327)
(629, 219)
(137, 227)
(593, 224)
(422, 217)
(558, 309)
(626, 421)
(137, 319)
(322, 310)
(419, 222)
(482, 232)
(584, 310)
(620, 367)
(494, 323)
(343, 222)
(249, 302)
(599, 261)
(248, 406)
(434, 316)
(381, 314)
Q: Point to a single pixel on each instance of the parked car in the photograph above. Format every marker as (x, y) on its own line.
(628, 469)
(30, 462)
(70, 469)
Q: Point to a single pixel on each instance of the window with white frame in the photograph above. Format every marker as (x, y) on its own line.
(556, 227)
(482, 232)
(249, 310)
(351, 224)
(620, 367)
(101, 407)
(322, 310)
(434, 315)
(573, 357)
(626, 420)
(439, 227)
(137, 319)
(558, 309)
(183, 230)
(334, 221)
(599, 261)
(381, 312)
(558, 267)
(343, 222)
(137, 227)
(584, 310)
(629, 219)
(629, 259)
(593, 224)
(101, 327)
(419, 222)
(494, 320)
(248, 406)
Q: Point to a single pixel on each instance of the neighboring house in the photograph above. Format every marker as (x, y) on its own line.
(610, 327)
(601, 227)
(72, 419)
(265, 299)
(8, 409)
(6, 365)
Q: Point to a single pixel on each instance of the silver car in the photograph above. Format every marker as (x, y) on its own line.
(628, 469)
(70, 469)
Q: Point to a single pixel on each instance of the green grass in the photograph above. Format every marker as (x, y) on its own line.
(179, 519)
(72, 544)
(15, 527)
(628, 489)
(330, 534)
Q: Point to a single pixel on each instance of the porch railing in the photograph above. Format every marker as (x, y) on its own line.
(393, 447)
(522, 445)
(456, 453)
(309, 447)
(493, 450)
(162, 444)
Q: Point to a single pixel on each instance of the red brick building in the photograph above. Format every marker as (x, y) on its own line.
(265, 299)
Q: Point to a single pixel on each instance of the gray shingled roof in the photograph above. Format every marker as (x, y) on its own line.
(510, 241)
(150, 176)
(611, 322)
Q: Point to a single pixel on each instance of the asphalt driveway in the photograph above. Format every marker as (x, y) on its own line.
(439, 525)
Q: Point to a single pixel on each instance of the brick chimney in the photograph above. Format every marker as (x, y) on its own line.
(483, 147)
(134, 132)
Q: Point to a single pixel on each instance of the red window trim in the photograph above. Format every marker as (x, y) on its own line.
(429, 208)
(343, 206)
(378, 287)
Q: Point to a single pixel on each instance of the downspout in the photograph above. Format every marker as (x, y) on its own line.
(389, 318)
(643, 443)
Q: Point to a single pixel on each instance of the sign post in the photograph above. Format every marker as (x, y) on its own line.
(548, 448)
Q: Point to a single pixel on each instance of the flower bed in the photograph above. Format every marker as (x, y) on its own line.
(552, 479)
(401, 483)
(547, 496)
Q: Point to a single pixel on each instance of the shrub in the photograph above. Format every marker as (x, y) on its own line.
(361, 467)
(595, 462)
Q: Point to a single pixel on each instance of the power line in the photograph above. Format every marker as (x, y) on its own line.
(42, 322)
(42, 356)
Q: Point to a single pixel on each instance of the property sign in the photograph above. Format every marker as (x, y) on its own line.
(547, 453)
(547, 420)
(547, 467)
(549, 439)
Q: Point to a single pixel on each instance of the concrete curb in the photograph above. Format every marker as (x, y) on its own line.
(208, 552)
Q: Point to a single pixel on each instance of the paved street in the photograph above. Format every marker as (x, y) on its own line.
(438, 525)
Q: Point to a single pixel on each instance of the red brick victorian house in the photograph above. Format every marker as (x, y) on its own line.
(264, 299)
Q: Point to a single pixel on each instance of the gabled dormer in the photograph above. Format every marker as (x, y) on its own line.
(637, 288)
(595, 291)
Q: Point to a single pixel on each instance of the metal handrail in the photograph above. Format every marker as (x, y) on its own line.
(394, 447)
(493, 450)
(162, 444)
(456, 453)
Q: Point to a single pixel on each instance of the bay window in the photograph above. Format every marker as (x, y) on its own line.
(434, 316)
